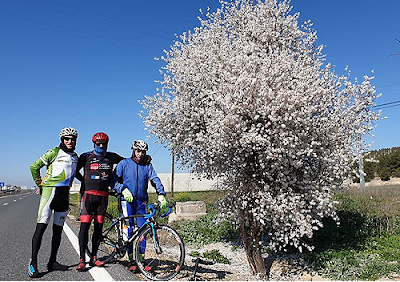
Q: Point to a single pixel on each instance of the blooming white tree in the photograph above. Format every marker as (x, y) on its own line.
(247, 97)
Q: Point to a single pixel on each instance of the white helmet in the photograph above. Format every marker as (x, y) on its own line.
(68, 131)
(140, 145)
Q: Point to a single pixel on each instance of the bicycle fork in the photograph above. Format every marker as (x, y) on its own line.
(156, 244)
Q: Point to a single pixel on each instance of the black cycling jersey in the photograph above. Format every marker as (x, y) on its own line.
(98, 170)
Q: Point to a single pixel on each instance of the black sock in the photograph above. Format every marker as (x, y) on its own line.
(37, 241)
(55, 242)
(98, 227)
(83, 239)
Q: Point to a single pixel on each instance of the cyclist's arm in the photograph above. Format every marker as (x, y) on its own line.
(117, 181)
(79, 166)
(155, 181)
(117, 158)
(79, 176)
(46, 159)
(35, 171)
(81, 163)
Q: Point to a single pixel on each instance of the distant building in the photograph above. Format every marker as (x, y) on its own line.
(183, 182)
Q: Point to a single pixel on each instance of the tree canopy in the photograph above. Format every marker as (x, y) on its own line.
(247, 96)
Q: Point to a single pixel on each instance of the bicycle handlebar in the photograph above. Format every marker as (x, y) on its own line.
(113, 192)
(155, 207)
(153, 211)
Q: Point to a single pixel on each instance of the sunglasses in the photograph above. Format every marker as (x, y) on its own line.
(101, 143)
(72, 139)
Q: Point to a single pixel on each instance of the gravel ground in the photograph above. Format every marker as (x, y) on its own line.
(281, 268)
(289, 268)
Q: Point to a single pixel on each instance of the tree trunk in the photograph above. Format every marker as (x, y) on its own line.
(251, 236)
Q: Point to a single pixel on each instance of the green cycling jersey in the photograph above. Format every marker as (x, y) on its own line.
(61, 168)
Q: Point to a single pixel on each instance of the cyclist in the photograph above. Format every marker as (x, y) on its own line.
(98, 171)
(133, 175)
(61, 165)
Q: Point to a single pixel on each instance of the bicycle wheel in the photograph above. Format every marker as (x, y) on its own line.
(110, 241)
(164, 252)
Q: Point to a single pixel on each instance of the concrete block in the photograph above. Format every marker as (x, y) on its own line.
(188, 211)
(190, 207)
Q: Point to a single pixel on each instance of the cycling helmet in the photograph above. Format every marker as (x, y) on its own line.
(140, 145)
(100, 136)
(68, 131)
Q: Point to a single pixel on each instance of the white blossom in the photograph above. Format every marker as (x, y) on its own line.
(248, 97)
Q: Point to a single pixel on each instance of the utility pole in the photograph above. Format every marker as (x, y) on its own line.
(362, 174)
(172, 176)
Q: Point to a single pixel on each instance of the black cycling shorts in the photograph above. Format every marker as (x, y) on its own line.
(93, 206)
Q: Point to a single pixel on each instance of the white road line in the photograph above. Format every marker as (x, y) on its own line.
(98, 273)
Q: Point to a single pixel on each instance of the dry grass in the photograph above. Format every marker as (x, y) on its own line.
(383, 201)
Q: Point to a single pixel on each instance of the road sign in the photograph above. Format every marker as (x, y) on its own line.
(2, 184)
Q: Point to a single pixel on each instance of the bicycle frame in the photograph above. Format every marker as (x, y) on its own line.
(160, 259)
(120, 244)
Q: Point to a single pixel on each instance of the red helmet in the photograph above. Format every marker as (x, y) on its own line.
(100, 136)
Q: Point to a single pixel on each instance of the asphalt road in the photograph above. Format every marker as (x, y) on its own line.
(17, 224)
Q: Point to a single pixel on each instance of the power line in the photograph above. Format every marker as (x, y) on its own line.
(387, 105)
(388, 85)
(105, 16)
(78, 31)
(89, 19)
(159, 147)
(377, 106)
(395, 54)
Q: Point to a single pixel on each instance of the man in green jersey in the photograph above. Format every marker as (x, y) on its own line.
(61, 163)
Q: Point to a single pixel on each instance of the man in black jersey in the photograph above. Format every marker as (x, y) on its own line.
(98, 171)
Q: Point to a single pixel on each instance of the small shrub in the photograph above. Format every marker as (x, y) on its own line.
(206, 230)
(385, 173)
(216, 256)
(213, 255)
(396, 172)
(195, 254)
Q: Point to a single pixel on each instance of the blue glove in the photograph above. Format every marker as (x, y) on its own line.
(127, 195)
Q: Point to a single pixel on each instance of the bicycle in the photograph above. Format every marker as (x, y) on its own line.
(164, 249)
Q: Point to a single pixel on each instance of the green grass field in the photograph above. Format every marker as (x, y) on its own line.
(365, 246)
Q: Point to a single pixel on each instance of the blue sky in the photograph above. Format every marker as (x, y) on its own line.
(86, 63)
